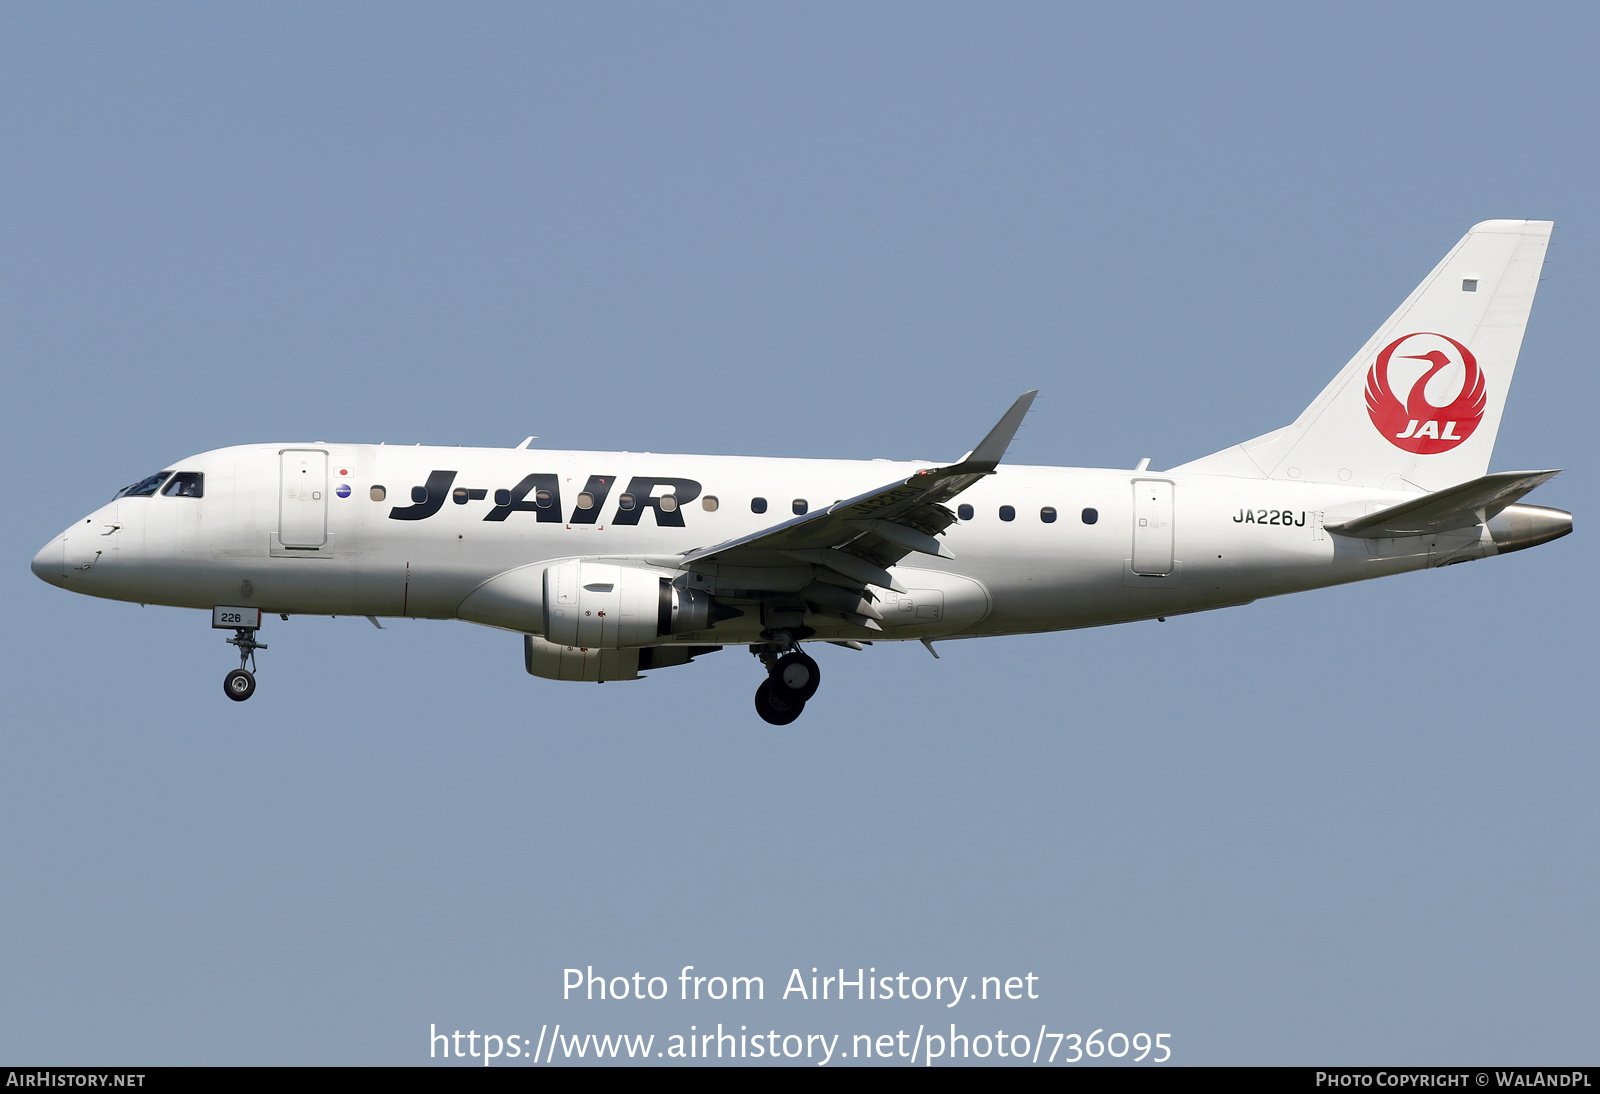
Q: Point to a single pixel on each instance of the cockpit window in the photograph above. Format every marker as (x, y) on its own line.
(185, 484)
(144, 487)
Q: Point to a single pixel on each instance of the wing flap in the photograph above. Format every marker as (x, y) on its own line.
(844, 601)
(851, 566)
(910, 538)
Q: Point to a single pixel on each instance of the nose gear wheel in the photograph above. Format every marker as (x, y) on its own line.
(239, 685)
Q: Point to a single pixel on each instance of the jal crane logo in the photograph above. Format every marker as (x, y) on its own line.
(1444, 393)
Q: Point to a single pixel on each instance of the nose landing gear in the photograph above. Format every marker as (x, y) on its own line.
(240, 684)
(791, 679)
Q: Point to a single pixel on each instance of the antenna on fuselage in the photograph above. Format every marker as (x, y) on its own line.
(525, 443)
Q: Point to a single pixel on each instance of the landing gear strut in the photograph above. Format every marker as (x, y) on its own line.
(792, 678)
(240, 684)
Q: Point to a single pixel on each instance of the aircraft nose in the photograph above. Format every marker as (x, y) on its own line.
(48, 563)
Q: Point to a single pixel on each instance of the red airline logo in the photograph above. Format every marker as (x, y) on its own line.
(1419, 424)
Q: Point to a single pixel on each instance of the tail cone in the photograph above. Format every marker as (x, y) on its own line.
(1518, 527)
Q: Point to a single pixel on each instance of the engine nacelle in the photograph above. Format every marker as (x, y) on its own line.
(603, 605)
(555, 662)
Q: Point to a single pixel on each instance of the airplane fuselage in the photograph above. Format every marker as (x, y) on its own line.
(1037, 548)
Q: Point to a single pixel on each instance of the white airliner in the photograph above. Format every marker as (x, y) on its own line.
(614, 563)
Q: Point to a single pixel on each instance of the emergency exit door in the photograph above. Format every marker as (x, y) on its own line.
(1152, 527)
(303, 498)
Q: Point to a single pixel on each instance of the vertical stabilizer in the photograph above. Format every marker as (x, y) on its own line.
(1420, 404)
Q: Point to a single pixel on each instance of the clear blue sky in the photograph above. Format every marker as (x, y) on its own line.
(1354, 826)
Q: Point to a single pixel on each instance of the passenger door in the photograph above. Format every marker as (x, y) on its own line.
(303, 498)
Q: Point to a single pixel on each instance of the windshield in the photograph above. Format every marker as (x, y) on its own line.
(143, 488)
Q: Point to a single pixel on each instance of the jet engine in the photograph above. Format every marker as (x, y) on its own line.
(602, 605)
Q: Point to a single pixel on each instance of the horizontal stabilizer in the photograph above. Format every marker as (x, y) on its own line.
(1456, 507)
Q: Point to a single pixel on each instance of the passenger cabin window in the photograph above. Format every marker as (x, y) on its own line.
(799, 507)
(964, 512)
(758, 505)
(543, 498)
(1091, 515)
(1007, 513)
(586, 500)
(459, 495)
(143, 488)
(185, 484)
(627, 501)
(709, 503)
(377, 493)
(668, 503)
(1048, 514)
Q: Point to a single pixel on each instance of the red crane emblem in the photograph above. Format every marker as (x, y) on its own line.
(1416, 424)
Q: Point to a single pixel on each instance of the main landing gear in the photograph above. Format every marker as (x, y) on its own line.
(240, 684)
(791, 679)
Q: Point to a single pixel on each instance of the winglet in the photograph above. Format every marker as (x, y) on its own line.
(986, 457)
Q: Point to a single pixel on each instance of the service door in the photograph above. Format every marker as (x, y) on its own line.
(1152, 527)
(303, 497)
